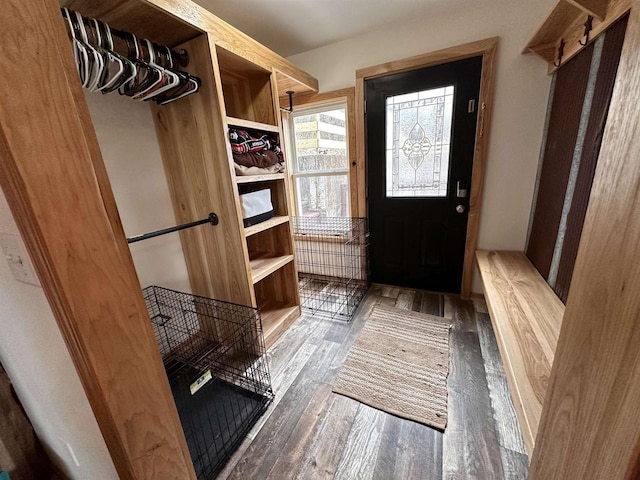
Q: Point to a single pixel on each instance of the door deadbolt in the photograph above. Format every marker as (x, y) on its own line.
(461, 190)
(460, 209)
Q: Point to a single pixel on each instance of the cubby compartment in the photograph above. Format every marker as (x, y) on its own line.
(246, 88)
(269, 251)
(277, 188)
(278, 301)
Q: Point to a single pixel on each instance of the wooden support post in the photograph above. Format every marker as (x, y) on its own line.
(53, 176)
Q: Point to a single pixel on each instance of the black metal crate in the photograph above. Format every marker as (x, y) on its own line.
(333, 264)
(214, 356)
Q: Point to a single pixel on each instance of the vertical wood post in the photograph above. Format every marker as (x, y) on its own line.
(590, 426)
(53, 176)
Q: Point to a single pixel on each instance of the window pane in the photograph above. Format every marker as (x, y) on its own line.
(326, 196)
(321, 140)
(418, 136)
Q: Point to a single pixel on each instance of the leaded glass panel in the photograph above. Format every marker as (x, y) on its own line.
(418, 138)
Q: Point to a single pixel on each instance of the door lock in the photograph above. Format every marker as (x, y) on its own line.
(460, 209)
(461, 189)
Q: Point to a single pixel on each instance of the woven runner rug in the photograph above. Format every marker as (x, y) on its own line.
(399, 364)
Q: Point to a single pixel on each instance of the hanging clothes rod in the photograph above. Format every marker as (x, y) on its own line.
(212, 219)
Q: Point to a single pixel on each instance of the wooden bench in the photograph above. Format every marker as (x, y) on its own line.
(526, 316)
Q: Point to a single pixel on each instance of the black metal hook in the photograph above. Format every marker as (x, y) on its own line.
(560, 53)
(290, 94)
(588, 26)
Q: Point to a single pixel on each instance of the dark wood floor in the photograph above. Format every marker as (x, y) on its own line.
(312, 433)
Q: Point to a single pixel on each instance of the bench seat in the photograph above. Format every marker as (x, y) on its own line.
(526, 315)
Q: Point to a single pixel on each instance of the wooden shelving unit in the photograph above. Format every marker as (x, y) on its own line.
(566, 23)
(250, 97)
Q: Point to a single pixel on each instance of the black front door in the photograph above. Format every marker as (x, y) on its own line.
(421, 128)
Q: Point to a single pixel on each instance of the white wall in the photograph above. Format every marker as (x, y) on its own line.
(522, 88)
(131, 154)
(37, 361)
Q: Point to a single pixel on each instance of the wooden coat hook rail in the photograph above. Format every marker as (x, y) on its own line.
(212, 219)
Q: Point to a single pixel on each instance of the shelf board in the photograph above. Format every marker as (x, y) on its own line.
(263, 266)
(265, 127)
(276, 318)
(261, 227)
(259, 178)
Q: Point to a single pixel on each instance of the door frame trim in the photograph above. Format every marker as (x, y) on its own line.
(487, 48)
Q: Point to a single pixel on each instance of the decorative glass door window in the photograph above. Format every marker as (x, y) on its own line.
(418, 138)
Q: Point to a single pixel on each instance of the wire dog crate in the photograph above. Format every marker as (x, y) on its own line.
(333, 264)
(214, 356)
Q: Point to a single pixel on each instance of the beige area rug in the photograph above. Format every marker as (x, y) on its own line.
(399, 364)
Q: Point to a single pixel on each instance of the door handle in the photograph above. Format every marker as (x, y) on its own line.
(460, 209)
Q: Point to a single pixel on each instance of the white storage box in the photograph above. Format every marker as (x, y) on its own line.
(256, 207)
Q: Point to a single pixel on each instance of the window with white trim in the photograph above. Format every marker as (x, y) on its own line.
(320, 160)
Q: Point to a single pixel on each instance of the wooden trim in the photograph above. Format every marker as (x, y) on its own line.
(487, 48)
(56, 185)
(483, 131)
(344, 94)
(361, 164)
(438, 57)
(590, 426)
(566, 22)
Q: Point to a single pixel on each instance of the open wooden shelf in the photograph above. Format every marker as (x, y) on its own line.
(276, 318)
(263, 266)
(526, 316)
(566, 22)
(259, 178)
(239, 122)
(261, 227)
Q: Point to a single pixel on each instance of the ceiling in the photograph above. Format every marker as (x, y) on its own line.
(294, 26)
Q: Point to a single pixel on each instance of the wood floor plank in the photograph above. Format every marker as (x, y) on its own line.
(514, 464)
(419, 454)
(470, 444)
(328, 446)
(361, 448)
(261, 454)
(433, 304)
(504, 413)
(390, 291)
(282, 382)
(291, 459)
(417, 301)
(389, 449)
(405, 299)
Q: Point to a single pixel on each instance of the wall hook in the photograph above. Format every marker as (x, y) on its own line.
(560, 54)
(290, 93)
(588, 26)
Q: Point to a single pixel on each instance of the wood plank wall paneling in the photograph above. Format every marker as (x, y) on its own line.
(611, 51)
(570, 88)
(54, 179)
(590, 428)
